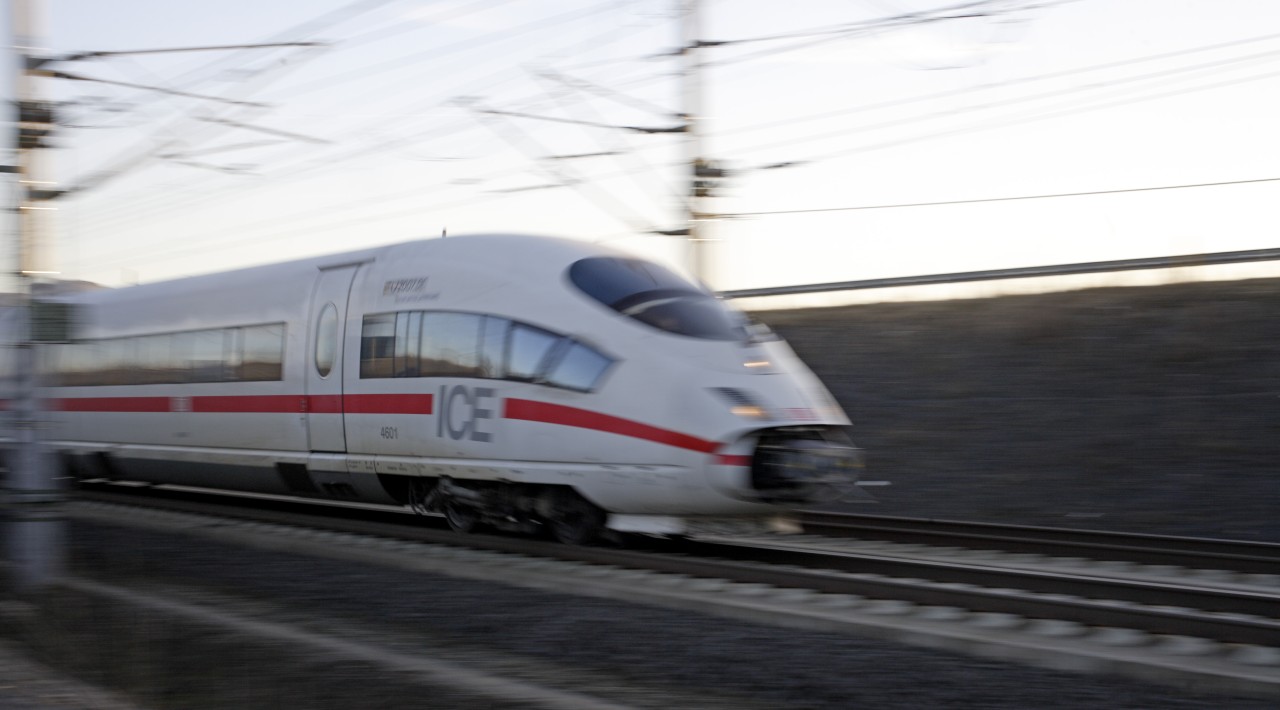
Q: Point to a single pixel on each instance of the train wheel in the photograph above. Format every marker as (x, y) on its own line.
(422, 496)
(460, 519)
(576, 520)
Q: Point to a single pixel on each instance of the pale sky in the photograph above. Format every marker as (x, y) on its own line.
(375, 138)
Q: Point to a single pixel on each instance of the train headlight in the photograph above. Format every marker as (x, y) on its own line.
(750, 411)
(742, 403)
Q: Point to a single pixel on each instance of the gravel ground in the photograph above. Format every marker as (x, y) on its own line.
(592, 643)
(28, 685)
(1149, 409)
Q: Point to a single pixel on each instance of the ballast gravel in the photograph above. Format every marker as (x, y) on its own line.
(627, 653)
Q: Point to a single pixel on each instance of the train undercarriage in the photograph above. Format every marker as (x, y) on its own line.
(788, 467)
(521, 508)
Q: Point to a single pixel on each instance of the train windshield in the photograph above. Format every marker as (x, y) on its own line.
(657, 297)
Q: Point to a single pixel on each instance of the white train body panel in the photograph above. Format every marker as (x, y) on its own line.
(636, 418)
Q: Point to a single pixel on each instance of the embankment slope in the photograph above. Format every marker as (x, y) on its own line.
(1150, 409)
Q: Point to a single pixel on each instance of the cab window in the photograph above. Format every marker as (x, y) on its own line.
(580, 367)
(657, 297)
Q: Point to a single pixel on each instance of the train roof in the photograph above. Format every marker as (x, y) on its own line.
(272, 292)
(499, 251)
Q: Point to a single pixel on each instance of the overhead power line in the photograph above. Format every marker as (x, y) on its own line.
(362, 74)
(564, 174)
(969, 90)
(590, 87)
(49, 73)
(844, 30)
(1070, 109)
(624, 154)
(962, 11)
(171, 50)
(1050, 196)
(145, 153)
(262, 129)
(315, 162)
(1149, 78)
(555, 119)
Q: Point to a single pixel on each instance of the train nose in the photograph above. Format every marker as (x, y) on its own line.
(808, 466)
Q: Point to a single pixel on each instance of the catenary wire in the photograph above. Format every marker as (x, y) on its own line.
(1015, 198)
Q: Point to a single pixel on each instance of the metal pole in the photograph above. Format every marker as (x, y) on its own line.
(691, 31)
(33, 517)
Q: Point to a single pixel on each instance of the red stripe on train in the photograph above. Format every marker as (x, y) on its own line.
(733, 460)
(239, 404)
(388, 403)
(113, 404)
(547, 413)
(255, 404)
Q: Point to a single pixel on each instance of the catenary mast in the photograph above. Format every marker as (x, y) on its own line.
(33, 517)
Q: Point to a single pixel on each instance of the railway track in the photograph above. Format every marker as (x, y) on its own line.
(1007, 598)
(1233, 614)
(1188, 552)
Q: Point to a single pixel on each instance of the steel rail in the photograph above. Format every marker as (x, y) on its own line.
(1193, 552)
(1081, 583)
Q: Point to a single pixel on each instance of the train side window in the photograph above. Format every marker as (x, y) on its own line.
(51, 369)
(326, 340)
(181, 345)
(413, 348)
(234, 345)
(48, 358)
(377, 345)
(408, 344)
(221, 355)
(527, 348)
(579, 368)
(208, 355)
(451, 344)
(493, 347)
(58, 372)
(116, 361)
(263, 353)
(77, 364)
(154, 360)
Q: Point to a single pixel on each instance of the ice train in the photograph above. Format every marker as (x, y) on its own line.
(521, 382)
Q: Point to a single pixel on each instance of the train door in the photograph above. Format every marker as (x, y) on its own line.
(326, 331)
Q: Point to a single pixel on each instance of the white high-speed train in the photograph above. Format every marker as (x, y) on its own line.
(520, 382)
